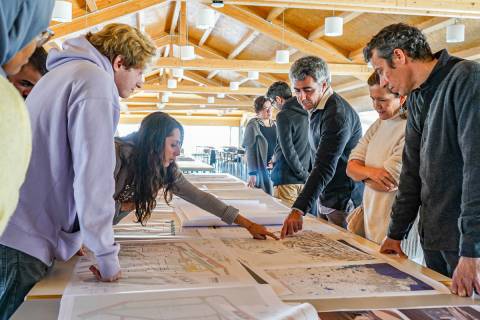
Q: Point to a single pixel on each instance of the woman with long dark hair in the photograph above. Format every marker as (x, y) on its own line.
(146, 166)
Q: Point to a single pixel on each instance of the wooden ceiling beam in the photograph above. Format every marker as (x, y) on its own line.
(182, 28)
(256, 65)
(278, 33)
(274, 13)
(186, 102)
(204, 90)
(247, 39)
(427, 27)
(349, 86)
(207, 32)
(175, 15)
(102, 16)
(91, 5)
(440, 8)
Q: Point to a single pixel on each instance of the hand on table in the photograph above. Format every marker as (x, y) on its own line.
(391, 246)
(99, 277)
(292, 224)
(466, 277)
(259, 232)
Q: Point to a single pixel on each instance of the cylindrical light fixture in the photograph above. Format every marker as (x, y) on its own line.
(455, 33)
(234, 85)
(177, 72)
(172, 83)
(220, 95)
(187, 52)
(160, 105)
(282, 56)
(333, 26)
(211, 99)
(62, 11)
(176, 51)
(165, 98)
(206, 19)
(253, 75)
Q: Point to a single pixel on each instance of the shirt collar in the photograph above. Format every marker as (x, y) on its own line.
(323, 101)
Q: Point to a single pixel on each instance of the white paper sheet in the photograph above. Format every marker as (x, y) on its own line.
(269, 213)
(306, 247)
(253, 302)
(162, 265)
(378, 279)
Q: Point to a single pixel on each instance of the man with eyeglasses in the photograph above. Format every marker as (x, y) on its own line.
(30, 73)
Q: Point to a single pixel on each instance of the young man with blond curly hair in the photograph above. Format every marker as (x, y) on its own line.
(66, 199)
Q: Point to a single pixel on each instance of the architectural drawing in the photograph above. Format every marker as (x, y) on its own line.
(443, 313)
(159, 265)
(307, 247)
(253, 302)
(355, 280)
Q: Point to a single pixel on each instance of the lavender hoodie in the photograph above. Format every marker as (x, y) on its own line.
(74, 111)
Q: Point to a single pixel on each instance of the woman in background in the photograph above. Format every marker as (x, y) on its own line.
(377, 159)
(146, 165)
(259, 141)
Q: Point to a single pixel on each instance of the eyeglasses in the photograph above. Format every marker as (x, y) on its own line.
(44, 37)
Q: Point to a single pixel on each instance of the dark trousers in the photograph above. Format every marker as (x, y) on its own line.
(443, 262)
(337, 217)
(18, 274)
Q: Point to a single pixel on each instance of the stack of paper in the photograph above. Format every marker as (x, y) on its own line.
(270, 212)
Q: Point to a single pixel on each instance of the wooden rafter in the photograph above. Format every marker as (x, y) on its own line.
(274, 13)
(208, 32)
(440, 8)
(276, 32)
(103, 15)
(176, 13)
(204, 90)
(249, 37)
(91, 5)
(187, 102)
(256, 65)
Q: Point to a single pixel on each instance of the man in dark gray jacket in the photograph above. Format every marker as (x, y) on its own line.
(292, 152)
(334, 130)
(441, 171)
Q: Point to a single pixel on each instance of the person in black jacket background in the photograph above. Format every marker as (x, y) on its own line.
(291, 158)
(441, 171)
(334, 131)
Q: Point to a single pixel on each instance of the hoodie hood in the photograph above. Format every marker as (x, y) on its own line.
(292, 104)
(78, 49)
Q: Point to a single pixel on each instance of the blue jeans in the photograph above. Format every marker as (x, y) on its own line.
(443, 262)
(18, 274)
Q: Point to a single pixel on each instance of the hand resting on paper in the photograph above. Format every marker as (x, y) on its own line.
(99, 277)
(258, 231)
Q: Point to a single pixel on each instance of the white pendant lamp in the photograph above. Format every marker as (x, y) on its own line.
(160, 105)
(62, 11)
(165, 98)
(172, 83)
(177, 72)
(206, 19)
(455, 33)
(333, 26)
(282, 56)
(253, 75)
(234, 85)
(220, 95)
(187, 52)
(211, 99)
